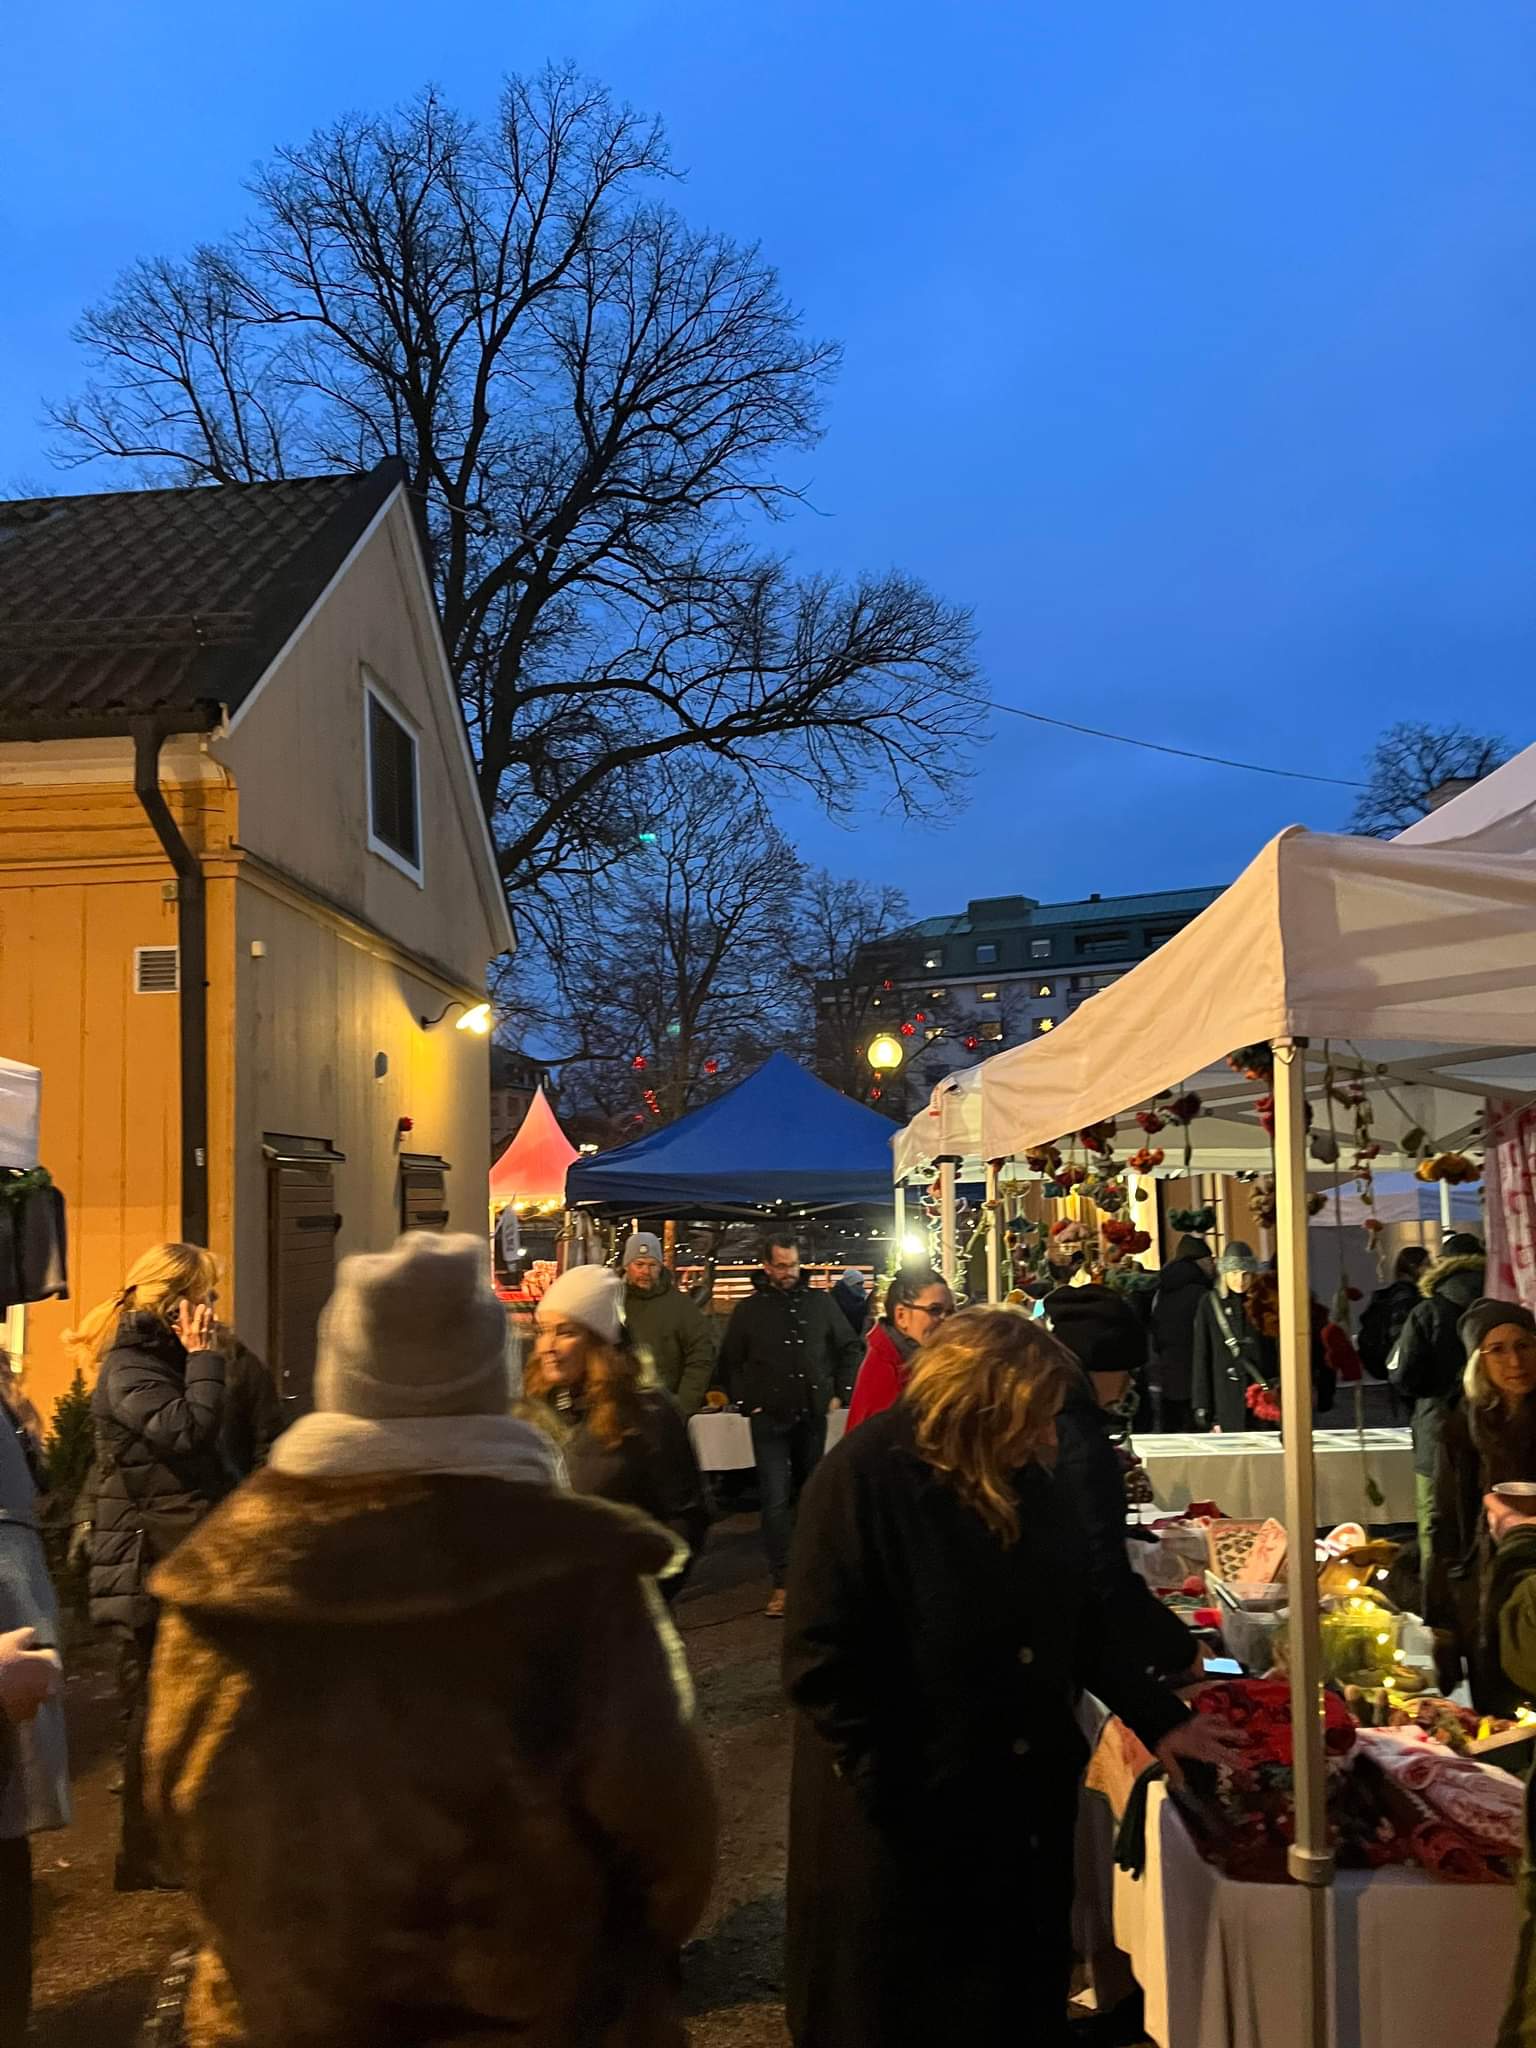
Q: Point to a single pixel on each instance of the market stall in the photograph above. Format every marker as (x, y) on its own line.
(1246, 1473)
(527, 1198)
(1393, 986)
(781, 1143)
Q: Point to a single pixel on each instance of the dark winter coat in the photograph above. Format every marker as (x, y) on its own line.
(1088, 1472)
(1221, 1380)
(253, 1412)
(1181, 1289)
(788, 1352)
(674, 1337)
(655, 1471)
(933, 1671)
(1512, 1612)
(1427, 1366)
(159, 1416)
(1382, 1324)
(424, 1753)
(1475, 1454)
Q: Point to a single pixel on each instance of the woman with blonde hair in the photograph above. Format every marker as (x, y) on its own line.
(158, 1407)
(622, 1441)
(942, 1618)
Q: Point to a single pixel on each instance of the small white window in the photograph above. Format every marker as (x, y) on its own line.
(156, 971)
(1039, 949)
(394, 784)
(986, 956)
(932, 960)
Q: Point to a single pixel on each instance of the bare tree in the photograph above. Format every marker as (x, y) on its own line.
(1411, 765)
(671, 978)
(590, 397)
(835, 956)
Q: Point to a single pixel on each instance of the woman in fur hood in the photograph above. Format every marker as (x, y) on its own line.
(420, 1734)
(1427, 1366)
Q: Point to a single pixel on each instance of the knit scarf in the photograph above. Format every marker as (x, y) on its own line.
(333, 1446)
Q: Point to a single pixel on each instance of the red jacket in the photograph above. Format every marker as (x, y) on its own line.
(881, 1379)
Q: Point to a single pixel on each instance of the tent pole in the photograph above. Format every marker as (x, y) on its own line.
(1311, 1860)
(947, 1259)
(899, 1225)
(1445, 1206)
(994, 1236)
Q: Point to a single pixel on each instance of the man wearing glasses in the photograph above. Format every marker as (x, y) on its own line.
(788, 1358)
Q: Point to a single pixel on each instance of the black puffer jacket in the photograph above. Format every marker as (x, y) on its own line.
(788, 1352)
(159, 1414)
(1427, 1366)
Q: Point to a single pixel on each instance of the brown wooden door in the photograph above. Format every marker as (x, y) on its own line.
(302, 1226)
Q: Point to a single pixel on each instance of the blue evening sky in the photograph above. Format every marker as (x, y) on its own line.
(1191, 344)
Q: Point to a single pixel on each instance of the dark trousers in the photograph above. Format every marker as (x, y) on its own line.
(138, 1864)
(1175, 1416)
(787, 1453)
(15, 1940)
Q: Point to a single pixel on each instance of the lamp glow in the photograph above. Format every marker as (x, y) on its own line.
(885, 1054)
(912, 1247)
(477, 1020)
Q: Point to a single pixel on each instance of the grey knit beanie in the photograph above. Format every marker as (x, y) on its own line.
(414, 1332)
(643, 1245)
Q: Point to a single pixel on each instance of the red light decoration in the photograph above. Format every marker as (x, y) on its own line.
(908, 1030)
(971, 1042)
(711, 1066)
(887, 986)
(639, 1063)
(875, 1094)
(922, 1016)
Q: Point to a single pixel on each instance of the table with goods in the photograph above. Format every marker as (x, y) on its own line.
(1246, 1472)
(722, 1438)
(1425, 1807)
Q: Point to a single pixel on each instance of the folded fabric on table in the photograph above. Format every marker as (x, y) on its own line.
(1483, 1804)
(1430, 1840)
(1446, 1852)
(1261, 1708)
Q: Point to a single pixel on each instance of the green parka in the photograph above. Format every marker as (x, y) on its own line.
(674, 1337)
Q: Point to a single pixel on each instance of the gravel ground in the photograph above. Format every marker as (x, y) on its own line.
(99, 1955)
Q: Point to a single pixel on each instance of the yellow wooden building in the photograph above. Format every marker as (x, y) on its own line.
(247, 894)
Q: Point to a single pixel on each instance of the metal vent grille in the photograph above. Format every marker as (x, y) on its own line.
(156, 970)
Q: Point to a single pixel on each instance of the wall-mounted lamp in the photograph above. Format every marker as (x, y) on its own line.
(478, 1018)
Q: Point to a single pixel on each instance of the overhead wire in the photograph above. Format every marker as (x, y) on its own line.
(1121, 739)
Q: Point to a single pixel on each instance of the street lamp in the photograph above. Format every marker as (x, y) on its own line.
(478, 1018)
(885, 1054)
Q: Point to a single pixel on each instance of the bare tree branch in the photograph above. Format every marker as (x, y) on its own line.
(1411, 765)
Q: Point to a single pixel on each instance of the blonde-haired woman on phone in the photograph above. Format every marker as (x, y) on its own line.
(158, 1406)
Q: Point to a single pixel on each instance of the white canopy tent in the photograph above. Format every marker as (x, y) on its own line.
(1411, 965)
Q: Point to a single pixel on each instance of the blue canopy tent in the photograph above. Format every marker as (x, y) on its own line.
(780, 1142)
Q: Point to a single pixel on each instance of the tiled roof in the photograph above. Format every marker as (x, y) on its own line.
(163, 603)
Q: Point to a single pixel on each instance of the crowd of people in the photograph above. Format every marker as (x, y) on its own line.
(404, 1707)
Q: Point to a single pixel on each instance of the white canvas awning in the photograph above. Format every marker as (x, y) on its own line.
(948, 1126)
(1496, 815)
(1422, 959)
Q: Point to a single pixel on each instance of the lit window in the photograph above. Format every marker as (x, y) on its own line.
(1046, 988)
(992, 1030)
(986, 995)
(1044, 1024)
(986, 956)
(932, 960)
(936, 995)
(874, 1002)
(394, 795)
(1039, 949)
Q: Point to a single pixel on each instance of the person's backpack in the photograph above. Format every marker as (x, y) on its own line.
(1380, 1327)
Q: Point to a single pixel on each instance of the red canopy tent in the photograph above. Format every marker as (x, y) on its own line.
(531, 1171)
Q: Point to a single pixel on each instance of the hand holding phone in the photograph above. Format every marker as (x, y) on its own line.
(193, 1325)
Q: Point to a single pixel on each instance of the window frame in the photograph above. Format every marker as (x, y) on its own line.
(989, 949)
(375, 693)
(1040, 949)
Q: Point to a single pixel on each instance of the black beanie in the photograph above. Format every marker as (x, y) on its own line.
(1101, 1329)
(1484, 1316)
(1192, 1248)
(1461, 1244)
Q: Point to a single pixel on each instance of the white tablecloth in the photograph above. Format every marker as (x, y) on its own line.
(722, 1441)
(1245, 1475)
(1416, 1963)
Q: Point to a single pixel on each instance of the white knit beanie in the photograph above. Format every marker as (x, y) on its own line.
(416, 1331)
(589, 1295)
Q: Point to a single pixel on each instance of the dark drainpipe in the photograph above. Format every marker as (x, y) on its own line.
(192, 937)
